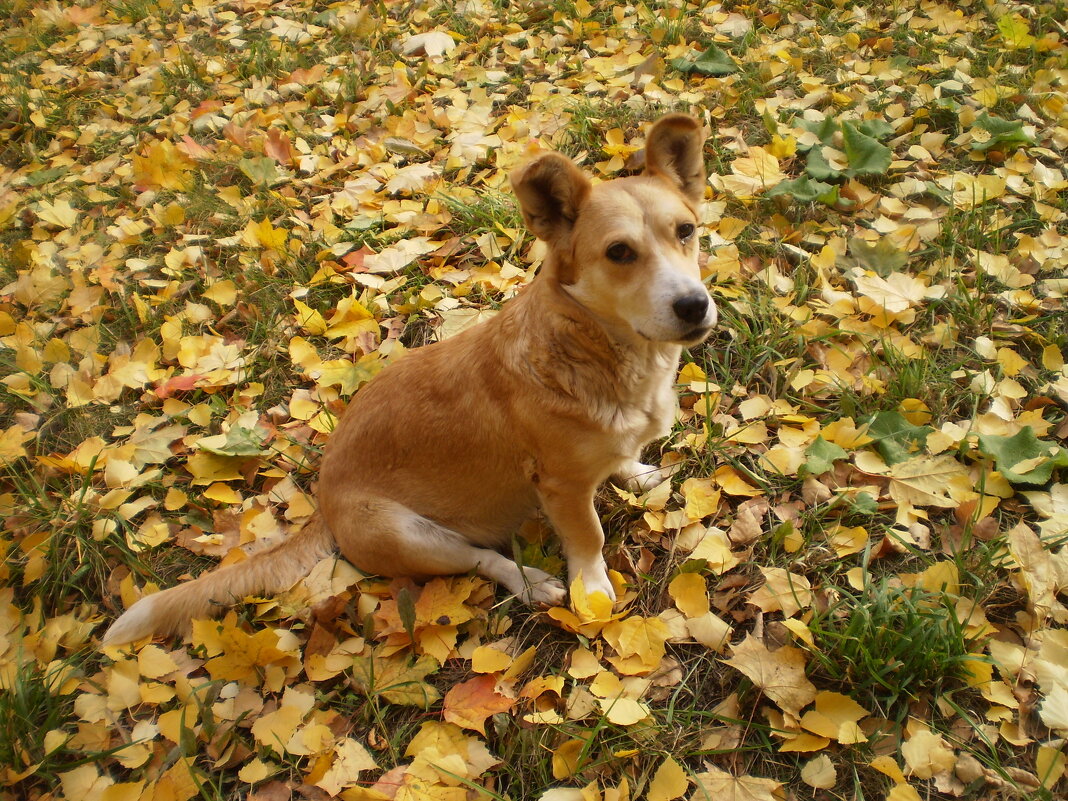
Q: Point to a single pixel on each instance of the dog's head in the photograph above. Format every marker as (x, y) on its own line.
(627, 249)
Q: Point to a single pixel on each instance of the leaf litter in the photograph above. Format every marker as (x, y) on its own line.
(218, 221)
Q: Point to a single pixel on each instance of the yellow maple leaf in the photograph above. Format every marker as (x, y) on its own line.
(161, 165)
(940, 481)
(310, 320)
(779, 673)
(487, 659)
(588, 613)
(277, 728)
(733, 484)
(350, 319)
(239, 656)
(723, 786)
(350, 759)
(715, 548)
(58, 213)
(782, 591)
(639, 643)
(623, 711)
(565, 761)
(264, 235)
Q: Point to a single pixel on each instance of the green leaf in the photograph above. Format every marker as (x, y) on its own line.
(1004, 133)
(238, 441)
(820, 457)
(406, 612)
(866, 155)
(771, 125)
(864, 504)
(818, 167)
(711, 62)
(42, 177)
(896, 439)
(805, 190)
(825, 129)
(1024, 458)
(881, 258)
(875, 128)
(261, 171)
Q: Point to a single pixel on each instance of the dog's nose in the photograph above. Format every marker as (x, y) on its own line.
(691, 308)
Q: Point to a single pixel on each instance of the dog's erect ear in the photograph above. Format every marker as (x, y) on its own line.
(673, 149)
(550, 190)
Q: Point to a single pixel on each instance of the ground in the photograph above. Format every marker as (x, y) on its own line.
(218, 220)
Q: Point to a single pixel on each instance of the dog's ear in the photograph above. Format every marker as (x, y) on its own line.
(673, 149)
(550, 190)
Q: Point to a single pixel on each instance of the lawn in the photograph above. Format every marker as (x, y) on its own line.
(218, 220)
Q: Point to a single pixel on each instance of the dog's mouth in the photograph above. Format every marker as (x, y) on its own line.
(695, 335)
(691, 337)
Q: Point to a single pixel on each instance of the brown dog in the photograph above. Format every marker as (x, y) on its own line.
(447, 451)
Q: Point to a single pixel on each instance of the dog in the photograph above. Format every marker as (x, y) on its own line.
(438, 460)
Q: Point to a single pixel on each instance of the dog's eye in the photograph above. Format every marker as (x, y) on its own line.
(621, 253)
(684, 231)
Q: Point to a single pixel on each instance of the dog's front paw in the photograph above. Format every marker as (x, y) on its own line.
(595, 579)
(638, 477)
(541, 588)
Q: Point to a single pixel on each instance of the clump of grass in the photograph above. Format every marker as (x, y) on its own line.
(888, 645)
(32, 706)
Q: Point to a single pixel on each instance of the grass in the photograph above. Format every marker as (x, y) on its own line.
(888, 646)
(38, 705)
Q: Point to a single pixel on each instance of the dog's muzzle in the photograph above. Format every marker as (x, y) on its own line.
(697, 311)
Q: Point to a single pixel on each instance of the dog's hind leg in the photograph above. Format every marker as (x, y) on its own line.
(384, 537)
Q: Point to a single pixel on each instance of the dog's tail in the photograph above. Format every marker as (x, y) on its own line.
(270, 571)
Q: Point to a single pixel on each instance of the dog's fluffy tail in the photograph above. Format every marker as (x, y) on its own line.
(270, 571)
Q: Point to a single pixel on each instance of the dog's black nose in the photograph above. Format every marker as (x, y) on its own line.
(691, 308)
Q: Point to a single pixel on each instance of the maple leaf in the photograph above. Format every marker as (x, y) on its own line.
(161, 165)
(588, 614)
(439, 738)
(718, 784)
(237, 655)
(639, 642)
(395, 679)
(939, 481)
(430, 43)
(469, 704)
(782, 591)
(780, 673)
(1023, 458)
(350, 759)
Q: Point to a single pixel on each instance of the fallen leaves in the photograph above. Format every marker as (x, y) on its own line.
(469, 704)
(217, 224)
(779, 673)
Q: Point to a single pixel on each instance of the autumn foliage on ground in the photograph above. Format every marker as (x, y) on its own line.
(218, 220)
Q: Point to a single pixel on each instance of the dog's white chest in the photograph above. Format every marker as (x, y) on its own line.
(648, 410)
